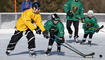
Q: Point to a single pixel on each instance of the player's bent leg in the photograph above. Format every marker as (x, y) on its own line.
(90, 38)
(68, 26)
(84, 39)
(76, 26)
(51, 41)
(58, 47)
(14, 39)
(31, 42)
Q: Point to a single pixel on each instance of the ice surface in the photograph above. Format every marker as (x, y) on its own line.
(21, 50)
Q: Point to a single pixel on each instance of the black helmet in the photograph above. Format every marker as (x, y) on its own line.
(55, 17)
(36, 5)
(76, 0)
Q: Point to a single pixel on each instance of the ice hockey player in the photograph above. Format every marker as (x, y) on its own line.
(90, 26)
(74, 11)
(25, 26)
(55, 27)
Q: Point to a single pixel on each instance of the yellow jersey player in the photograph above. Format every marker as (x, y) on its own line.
(24, 24)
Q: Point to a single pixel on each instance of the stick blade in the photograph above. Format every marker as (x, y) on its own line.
(89, 55)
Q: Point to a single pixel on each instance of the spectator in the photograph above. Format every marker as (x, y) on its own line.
(35, 0)
(26, 5)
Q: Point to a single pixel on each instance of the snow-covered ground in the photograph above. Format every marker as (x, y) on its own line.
(21, 50)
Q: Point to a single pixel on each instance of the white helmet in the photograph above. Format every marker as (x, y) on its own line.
(90, 12)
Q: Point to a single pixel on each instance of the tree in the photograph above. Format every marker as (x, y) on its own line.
(53, 5)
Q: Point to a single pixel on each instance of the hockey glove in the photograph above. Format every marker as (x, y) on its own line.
(87, 26)
(98, 29)
(62, 40)
(45, 34)
(82, 20)
(70, 13)
(38, 31)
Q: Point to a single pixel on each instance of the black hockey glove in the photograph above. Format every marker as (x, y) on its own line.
(45, 34)
(82, 20)
(98, 29)
(87, 26)
(70, 13)
(38, 31)
(61, 40)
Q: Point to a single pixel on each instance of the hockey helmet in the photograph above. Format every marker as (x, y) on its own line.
(90, 12)
(36, 5)
(76, 0)
(55, 17)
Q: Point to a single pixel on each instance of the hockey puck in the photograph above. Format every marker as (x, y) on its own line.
(100, 56)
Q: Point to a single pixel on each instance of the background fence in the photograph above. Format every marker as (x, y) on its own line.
(8, 20)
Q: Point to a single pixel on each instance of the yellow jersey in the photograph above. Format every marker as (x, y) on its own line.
(25, 21)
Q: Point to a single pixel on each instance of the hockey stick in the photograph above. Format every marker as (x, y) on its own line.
(102, 31)
(78, 52)
(101, 28)
(75, 50)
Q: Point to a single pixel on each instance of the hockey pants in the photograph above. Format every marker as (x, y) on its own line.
(18, 35)
(76, 26)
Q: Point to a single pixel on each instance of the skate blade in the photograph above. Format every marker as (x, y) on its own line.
(88, 56)
(33, 56)
(47, 54)
(8, 54)
(91, 55)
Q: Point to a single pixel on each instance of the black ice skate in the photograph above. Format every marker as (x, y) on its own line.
(70, 36)
(8, 52)
(82, 41)
(76, 39)
(31, 53)
(89, 42)
(48, 51)
(58, 49)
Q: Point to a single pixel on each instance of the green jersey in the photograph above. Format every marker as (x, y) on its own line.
(76, 8)
(59, 27)
(93, 25)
